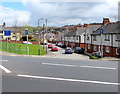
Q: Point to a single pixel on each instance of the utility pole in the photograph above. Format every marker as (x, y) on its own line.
(46, 32)
(43, 35)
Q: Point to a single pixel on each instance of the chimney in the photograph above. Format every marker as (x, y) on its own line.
(106, 21)
(85, 25)
(4, 24)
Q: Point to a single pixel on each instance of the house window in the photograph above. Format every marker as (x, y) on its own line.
(117, 37)
(107, 37)
(76, 38)
(95, 48)
(88, 37)
(107, 50)
(88, 46)
(94, 38)
(117, 51)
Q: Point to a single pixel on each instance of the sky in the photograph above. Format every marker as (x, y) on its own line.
(26, 12)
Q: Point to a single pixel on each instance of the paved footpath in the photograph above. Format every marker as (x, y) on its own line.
(62, 56)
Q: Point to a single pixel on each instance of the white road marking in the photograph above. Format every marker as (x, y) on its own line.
(99, 67)
(5, 69)
(3, 60)
(70, 80)
(58, 64)
(78, 66)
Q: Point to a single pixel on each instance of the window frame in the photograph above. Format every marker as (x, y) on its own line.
(107, 49)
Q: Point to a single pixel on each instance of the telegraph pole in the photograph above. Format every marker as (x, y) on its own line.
(43, 35)
(46, 32)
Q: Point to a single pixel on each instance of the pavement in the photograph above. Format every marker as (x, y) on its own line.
(60, 54)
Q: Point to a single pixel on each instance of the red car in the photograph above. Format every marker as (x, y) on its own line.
(54, 49)
(50, 46)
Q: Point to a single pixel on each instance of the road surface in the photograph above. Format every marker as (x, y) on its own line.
(39, 74)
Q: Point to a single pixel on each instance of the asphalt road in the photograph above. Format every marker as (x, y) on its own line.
(39, 74)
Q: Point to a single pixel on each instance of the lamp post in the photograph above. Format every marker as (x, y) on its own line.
(39, 37)
(39, 20)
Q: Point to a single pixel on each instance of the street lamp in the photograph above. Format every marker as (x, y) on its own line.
(39, 20)
(39, 36)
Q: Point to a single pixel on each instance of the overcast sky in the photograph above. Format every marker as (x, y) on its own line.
(57, 13)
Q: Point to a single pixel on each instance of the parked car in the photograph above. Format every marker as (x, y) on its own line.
(25, 42)
(68, 51)
(97, 54)
(50, 46)
(54, 49)
(63, 46)
(59, 44)
(79, 50)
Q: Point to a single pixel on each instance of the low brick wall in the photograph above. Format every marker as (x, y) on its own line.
(13, 41)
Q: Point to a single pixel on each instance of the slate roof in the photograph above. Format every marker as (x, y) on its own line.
(92, 28)
(80, 31)
(112, 28)
(71, 33)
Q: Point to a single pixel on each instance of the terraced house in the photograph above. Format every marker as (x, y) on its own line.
(103, 37)
(75, 38)
(107, 42)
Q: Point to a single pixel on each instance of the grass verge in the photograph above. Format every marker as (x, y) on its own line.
(22, 48)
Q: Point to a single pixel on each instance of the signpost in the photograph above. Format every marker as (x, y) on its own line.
(26, 33)
(8, 34)
(101, 33)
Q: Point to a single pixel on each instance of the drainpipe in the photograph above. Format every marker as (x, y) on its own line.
(91, 47)
(112, 44)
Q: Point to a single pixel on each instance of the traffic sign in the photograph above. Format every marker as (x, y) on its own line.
(7, 33)
(26, 32)
(101, 31)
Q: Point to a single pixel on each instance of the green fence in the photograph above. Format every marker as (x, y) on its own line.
(22, 48)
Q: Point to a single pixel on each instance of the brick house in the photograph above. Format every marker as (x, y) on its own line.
(88, 38)
(108, 42)
(75, 38)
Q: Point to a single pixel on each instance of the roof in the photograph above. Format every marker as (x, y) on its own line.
(92, 28)
(111, 28)
(71, 33)
(80, 31)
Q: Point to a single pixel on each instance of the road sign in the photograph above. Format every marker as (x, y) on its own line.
(101, 31)
(26, 32)
(7, 33)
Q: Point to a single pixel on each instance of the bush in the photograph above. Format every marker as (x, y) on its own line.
(34, 40)
(93, 57)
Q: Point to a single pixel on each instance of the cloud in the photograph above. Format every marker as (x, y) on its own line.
(61, 13)
(13, 17)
